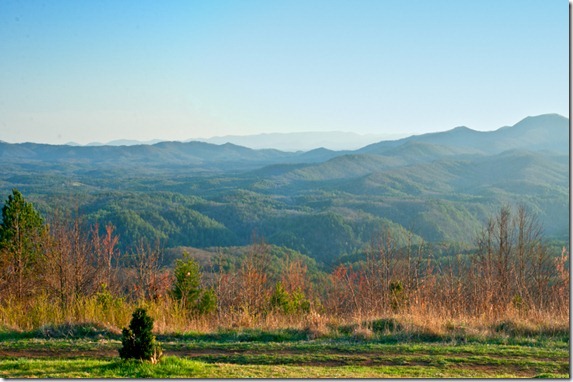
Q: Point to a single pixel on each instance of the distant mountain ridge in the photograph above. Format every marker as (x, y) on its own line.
(460, 136)
(125, 142)
(439, 187)
(544, 132)
(547, 131)
(303, 141)
(290, 142)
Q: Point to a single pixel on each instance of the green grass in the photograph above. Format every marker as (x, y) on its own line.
(176, 367)
(285, 354)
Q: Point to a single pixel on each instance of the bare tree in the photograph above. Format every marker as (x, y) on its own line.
(107, 256)
(69, 268)
(150, 281)
(562, 287)
(514, 264)
(254, 278)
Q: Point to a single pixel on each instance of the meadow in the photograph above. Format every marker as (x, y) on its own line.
(402, 346)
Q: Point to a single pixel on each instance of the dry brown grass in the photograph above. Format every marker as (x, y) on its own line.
(170, 318)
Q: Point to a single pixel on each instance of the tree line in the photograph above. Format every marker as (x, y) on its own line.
(64, 263)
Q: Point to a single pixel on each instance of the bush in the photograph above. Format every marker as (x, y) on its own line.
(207, 303)
(280, 299)
(398, 296)
(138, 341)
(289, 303)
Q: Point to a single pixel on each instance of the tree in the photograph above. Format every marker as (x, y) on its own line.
(70, 266)
(187, 287)
(289, 303)
(253, 277)
(513, 262)
(107, 255)
(151, 283)
(20, 231)
(138, 341)
(290, 294)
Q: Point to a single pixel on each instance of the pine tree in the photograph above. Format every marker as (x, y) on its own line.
(138, 341)
(187, 287)
(20, 231)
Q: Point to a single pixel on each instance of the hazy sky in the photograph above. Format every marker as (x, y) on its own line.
(92, 70)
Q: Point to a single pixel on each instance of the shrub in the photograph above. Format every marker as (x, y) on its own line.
(138, 341)
(280, 299)
(398, 296)
(385, 325)
(289, 303)
(207, 303)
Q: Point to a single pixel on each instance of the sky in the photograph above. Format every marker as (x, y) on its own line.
(85, 71)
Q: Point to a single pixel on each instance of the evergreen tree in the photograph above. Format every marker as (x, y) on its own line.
(187, 287)
(289, 303)
(20, 233)
(138, 341)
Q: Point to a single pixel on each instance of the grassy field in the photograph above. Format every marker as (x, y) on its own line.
(287, 353)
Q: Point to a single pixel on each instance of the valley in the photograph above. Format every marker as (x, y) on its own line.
(436, 188)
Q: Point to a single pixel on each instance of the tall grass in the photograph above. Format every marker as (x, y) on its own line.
(510, 285)
(89, 315)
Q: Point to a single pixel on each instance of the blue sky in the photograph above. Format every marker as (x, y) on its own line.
(88, 71)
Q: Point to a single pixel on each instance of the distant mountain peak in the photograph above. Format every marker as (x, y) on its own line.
(537, 120)
(546, 116)
(461, 129)
(541, 132)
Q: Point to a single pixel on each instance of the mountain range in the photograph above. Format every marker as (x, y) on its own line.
(545, 132)
(437, 187)
(301, 141)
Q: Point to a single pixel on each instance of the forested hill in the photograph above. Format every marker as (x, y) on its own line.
(439, 187)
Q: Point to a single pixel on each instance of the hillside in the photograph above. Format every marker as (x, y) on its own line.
(543, 132)
(438, 187)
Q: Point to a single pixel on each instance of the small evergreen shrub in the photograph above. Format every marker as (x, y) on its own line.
(398, 296)
(289, 303)
(280, 299)
(138, 341)
(207, 302)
